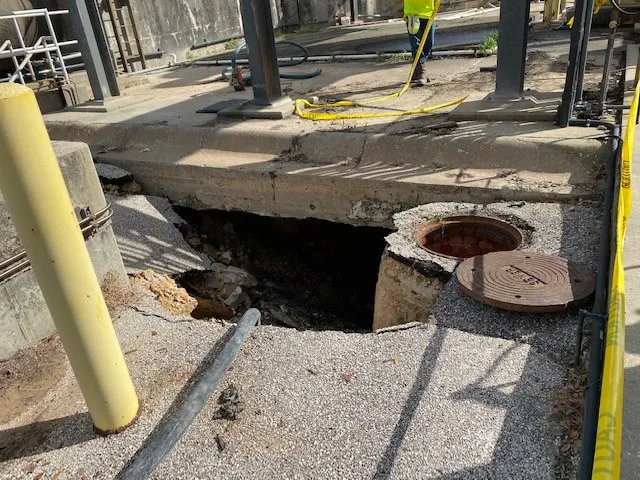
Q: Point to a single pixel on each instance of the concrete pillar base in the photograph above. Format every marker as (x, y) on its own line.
(276, 111)
(403, 295)
(532, 107)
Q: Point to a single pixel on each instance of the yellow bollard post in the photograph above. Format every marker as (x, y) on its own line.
(37, 197)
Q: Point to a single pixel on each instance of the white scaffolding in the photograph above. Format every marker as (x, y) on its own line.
(46, 47)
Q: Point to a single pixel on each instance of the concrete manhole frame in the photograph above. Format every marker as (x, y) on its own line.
(465, 236)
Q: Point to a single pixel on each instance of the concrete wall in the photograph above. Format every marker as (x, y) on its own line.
(24, 316)
(174, 26)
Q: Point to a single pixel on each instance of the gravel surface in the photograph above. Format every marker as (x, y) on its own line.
(145, 229)
(423, 403)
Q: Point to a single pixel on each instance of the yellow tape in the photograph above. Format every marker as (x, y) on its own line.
(300, 104)
(606, 465)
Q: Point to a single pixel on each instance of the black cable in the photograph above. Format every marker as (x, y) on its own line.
(617, 6)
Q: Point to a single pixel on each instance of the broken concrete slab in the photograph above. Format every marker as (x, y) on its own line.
(148, 237)
(403, 294)
(112, 174)
(531, 107)
(451, 404)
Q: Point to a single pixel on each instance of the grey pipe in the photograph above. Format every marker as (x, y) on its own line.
(149, 456)
(333, 58)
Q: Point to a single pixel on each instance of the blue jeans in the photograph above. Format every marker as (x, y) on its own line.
(414, 40)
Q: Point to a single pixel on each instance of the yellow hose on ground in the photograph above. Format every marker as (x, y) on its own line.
(300, 104)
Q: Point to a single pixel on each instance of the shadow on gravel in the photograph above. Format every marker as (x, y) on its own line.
(427, 367)
(41, 437)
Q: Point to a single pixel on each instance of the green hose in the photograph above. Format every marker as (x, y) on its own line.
(295, 76)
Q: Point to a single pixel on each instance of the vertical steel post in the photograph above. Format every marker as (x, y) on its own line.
(588, 19)
(261, 45)
(573, 70)
(95, 54)
(512, 48)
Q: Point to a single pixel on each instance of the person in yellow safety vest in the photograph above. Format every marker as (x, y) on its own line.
(417, 14)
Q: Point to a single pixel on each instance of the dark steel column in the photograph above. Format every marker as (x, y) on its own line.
(588, 19)
(261, 45)
(512, 48)
(95, 54)
(565, 111)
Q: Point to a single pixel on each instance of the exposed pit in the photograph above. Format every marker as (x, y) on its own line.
(311, 274)
(466, 236)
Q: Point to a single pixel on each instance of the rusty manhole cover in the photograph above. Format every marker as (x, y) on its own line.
(525, 282)
(465, 236)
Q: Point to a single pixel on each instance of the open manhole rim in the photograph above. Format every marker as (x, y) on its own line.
(429, 226)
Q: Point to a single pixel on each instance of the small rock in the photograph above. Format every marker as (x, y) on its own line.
(144, 150)
(312, 371)
(213, 281)
(237, 276)
(235, 299)
(347, 377)
(153, 333)
(222, 444)
(226, 257)
(282, 317)
(228, 227)
(210, 250)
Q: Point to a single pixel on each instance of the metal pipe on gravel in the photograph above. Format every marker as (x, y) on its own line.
(167, 434)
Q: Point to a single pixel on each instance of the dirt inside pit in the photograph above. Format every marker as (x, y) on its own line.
(312, 274)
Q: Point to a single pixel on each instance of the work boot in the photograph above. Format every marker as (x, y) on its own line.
(419, 76)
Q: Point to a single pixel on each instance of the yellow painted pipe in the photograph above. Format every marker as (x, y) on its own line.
(40, 207)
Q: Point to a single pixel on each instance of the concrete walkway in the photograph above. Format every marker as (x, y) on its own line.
(631, 418)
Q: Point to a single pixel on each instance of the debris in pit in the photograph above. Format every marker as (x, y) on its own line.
(323, 273)
(231, 404)
(280, 315)
(129, 188)
(172, 297)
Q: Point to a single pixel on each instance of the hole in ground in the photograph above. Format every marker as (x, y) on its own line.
(311, 274)
(467, 236)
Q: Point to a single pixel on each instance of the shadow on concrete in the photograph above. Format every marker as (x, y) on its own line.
(45, 436)
(147, 446)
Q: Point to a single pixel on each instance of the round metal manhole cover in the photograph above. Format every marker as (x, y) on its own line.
(525, 282)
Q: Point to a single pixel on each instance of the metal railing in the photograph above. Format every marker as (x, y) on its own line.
(45, 51)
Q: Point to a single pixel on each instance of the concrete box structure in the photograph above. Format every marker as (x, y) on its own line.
(24, 316)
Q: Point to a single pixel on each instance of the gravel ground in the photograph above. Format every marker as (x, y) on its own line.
(424, 403)
(145, 229)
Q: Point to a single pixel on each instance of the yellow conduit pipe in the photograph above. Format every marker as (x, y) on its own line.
(37, 198)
